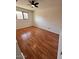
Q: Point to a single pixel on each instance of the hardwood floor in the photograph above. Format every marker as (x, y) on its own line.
(36, 43)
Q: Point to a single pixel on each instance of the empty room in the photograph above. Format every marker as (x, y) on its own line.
(38, 29)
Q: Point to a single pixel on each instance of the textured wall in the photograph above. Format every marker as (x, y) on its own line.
(24, 23)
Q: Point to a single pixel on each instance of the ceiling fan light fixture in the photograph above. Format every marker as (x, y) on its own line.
(32, 6)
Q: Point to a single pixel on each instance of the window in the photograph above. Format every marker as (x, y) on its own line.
(25, 15)
(21, 15)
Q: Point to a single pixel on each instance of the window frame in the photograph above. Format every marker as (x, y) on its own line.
(22, 15)
(17, 16)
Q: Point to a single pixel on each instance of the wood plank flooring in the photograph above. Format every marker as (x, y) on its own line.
(36, 43)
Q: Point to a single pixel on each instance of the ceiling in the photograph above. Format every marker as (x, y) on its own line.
(43, 4)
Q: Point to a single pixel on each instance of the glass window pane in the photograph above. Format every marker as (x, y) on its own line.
(19, 15)
(25, 15)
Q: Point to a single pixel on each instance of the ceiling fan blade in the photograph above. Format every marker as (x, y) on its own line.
(33, 2)
(36, 3)
(36, 6)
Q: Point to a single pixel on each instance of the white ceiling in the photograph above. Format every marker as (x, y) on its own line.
(43, 4)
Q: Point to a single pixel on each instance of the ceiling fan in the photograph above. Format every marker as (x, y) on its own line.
(33, 3)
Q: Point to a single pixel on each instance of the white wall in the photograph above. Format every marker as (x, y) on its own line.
(49, 18)
(24, 23)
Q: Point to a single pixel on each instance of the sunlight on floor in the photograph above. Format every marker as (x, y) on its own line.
(26, 35)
